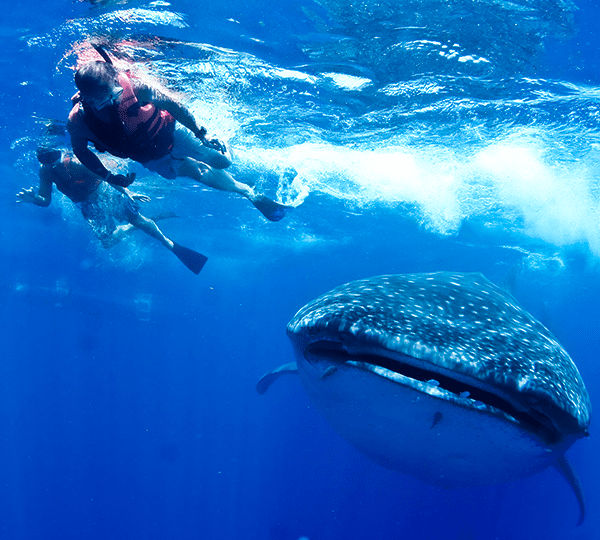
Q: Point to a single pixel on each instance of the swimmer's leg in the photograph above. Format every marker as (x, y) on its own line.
(123, 230)
(222, 180)
(212, 177)
(150, 228)
(192, 259)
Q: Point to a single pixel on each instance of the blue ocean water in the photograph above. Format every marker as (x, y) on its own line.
(423, 135)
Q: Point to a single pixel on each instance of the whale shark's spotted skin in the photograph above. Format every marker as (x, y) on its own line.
(457, 322)
(441, 376)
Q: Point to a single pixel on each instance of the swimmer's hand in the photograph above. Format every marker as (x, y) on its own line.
(27, 195)
(200, 133)
(140, 197)
(31, 195)
(215, 144)
(122, 180)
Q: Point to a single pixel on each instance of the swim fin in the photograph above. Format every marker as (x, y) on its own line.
(192, 259)
(272, 210)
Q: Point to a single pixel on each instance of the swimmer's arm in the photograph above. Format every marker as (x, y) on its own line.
(137, 196)
(123, 190)
(163, 100)
(43, 196)
(85, 155)
(131, 195)
(93, 163)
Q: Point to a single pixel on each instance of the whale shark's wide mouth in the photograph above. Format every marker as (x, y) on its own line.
(442, 384)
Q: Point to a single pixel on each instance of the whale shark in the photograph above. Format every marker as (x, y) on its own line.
(442, 376)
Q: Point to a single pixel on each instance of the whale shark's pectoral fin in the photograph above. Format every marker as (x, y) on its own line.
(329, 371)
(267, 380)
(564, 467)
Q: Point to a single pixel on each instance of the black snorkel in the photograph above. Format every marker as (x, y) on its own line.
(100, 50)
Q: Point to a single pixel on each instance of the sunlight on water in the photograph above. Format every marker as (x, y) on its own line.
(395, 111)
(555, 202)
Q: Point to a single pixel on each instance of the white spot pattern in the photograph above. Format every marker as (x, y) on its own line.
(461, 322)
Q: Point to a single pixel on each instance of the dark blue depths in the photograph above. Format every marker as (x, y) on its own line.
(127, 400)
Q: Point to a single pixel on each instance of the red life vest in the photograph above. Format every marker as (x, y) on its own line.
(135, 131)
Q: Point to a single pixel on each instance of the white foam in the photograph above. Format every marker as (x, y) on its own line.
(294, 75)
(515, 182)
(555, 200)
(347, 82)
(474, 60)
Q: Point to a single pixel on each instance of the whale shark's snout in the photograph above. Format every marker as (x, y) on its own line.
(440, 375)
(455, 336)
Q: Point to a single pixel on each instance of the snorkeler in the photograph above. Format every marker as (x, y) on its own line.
(131, 119)
(102, 206)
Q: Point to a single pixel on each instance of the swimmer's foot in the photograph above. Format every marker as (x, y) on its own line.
(272, 210)
(192, 259)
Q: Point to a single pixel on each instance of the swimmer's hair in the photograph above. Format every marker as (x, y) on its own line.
(47, 155)
(94, 75)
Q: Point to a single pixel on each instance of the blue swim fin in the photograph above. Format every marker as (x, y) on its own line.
(272, 210)
(192, 259)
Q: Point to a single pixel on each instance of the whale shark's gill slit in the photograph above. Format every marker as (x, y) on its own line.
(532, 420)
